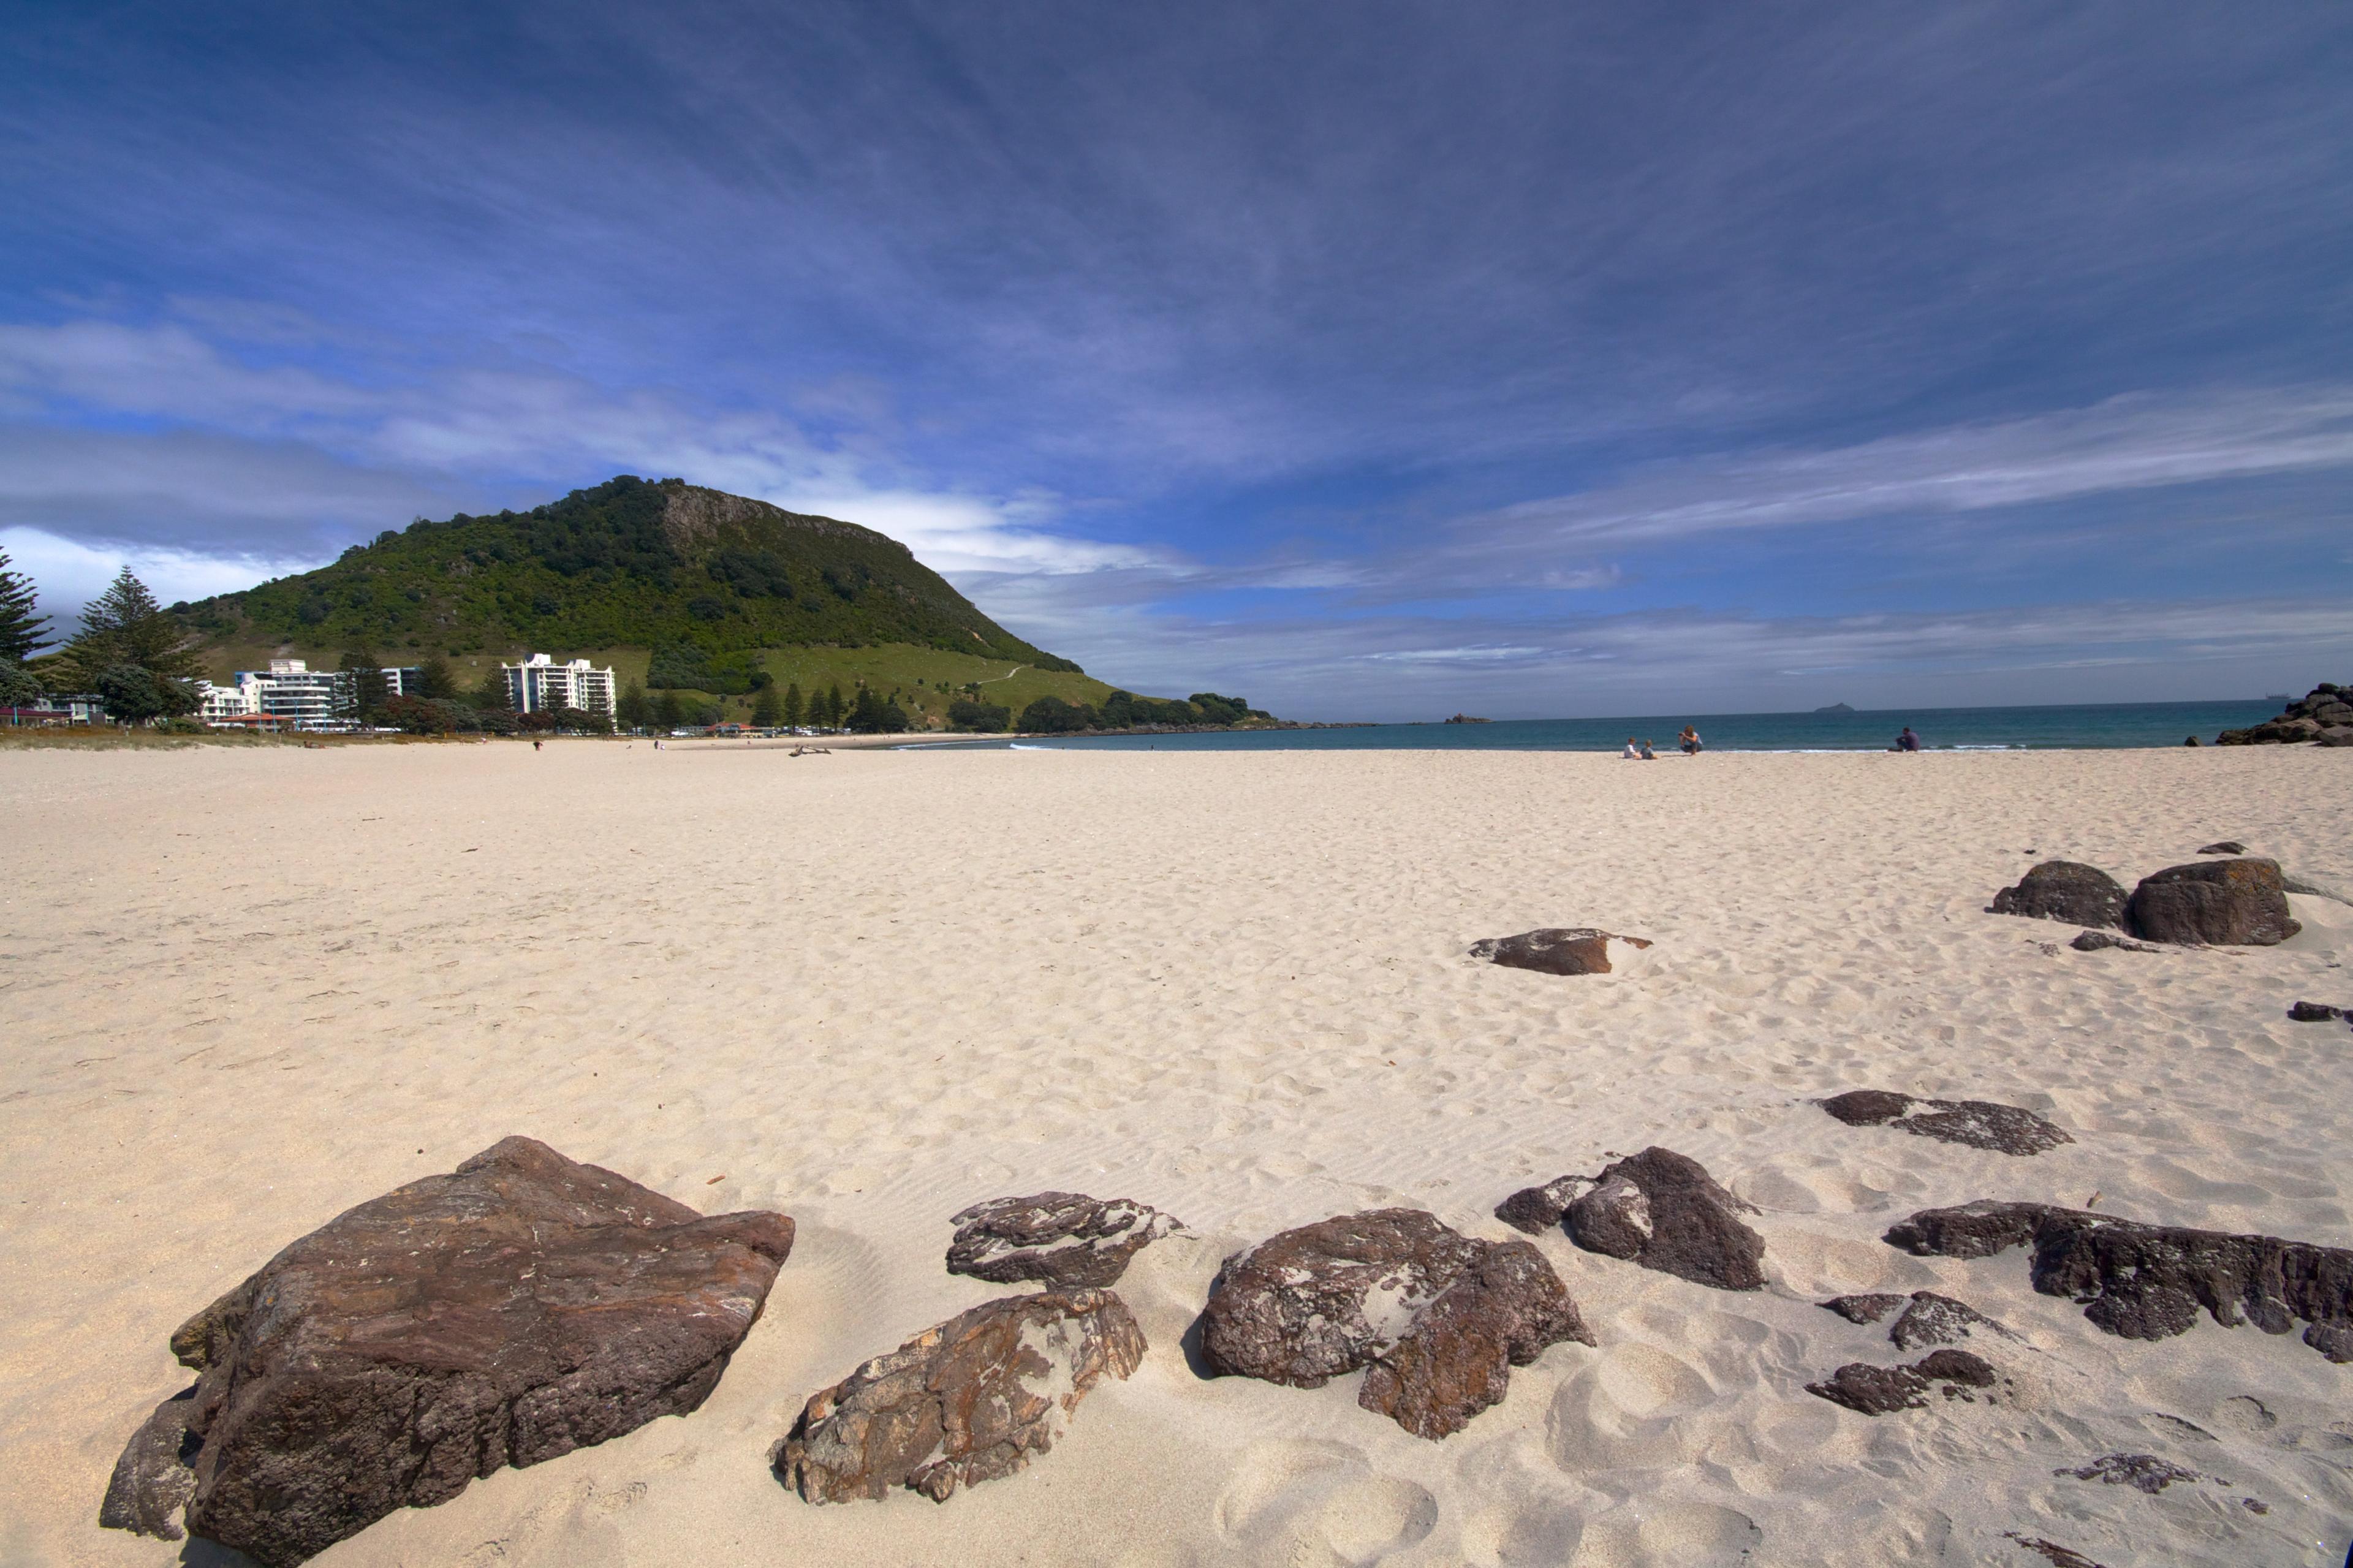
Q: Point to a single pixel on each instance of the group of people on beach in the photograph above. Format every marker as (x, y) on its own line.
(1689, 740)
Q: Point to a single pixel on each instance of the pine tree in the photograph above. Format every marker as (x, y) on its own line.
(633, 709)
(370, 688)
(793, 705)
(21, 631)
(668, 711)
(834, 706)
(125, 625)
(766, 710)
(435, 680)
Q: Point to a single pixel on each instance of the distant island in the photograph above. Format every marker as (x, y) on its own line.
(1835, 708)
(1467, 719)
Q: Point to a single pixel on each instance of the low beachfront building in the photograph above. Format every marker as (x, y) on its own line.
(540, 685)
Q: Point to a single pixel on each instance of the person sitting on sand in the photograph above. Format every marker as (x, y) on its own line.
(1690, 742)
(1649, 755)
(1632, 749)
(1907, 742)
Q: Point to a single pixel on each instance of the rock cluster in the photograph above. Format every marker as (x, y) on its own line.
(1066, 1240)
(2149, 1281)
(2323, 715)
(2065, 890)
(969, 1400)
(2239, 902)
(2316, 1013)
(1571, 950)
(1980, 1123)
(1928, 1318)
(2143, 1472)
(1439, 1318)
(512, 1311)
(1881, 1389)
(1657, 1208)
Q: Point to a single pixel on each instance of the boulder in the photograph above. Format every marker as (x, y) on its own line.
(520, 1308)
(1438, 1316)
(1934, 1319)
(968, 1401)
(1574, 950)
(2316, 1013)
(2064, 890)
(2219, 903)
(1663, 1211)
(1066, 1240)
(2146, 1281)
(1980, 1123)
(1882, 1390)
(1537, 1210)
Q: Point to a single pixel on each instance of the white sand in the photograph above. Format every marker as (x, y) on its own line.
(242, 992)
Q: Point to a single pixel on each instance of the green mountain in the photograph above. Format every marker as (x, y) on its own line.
(630, 564)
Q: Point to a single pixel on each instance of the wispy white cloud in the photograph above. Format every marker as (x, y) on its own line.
(70, 573)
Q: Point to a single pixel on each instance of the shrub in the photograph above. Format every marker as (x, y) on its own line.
(984, 718)
(1052, 716)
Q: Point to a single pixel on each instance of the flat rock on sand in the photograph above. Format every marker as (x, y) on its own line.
(1928, 1318)
(1657, 1208)
(2064, 890)
(1882, 1390)
(520, 1308)
(1555, 950)
(1980, 1123)
(1438, 1316)
(1066, 1240)
(2149, 1281)
(968, 1401)
(2214, 904)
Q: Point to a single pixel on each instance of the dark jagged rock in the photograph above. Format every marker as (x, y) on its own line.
(1663, 1211)
(1934, 1319)
(1066, 1240)
(507, 1314)
(1456, 1359)
(1576, 950)
(968, 1401)
(2227, 846)
(1881, 1390)
(2145, 1471)
(2064, 890)
(1980, 1123)
(1438, 1316)
(2213, 903)
(154, 1478)
(2147, 1281)
(2316, 1013)
(2097, 941)
(2050, 1552)
(1864, 1310)
(1538, 1209)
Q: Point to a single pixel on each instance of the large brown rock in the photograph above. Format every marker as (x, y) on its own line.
(1557, 950)
(2064, 890)
(2149, 1281)
(1883, 1390)
(1438, 1316)
(1066, 1240)
(966, 1402)
(1980, 1123)
(2216, 903)
(510, 1313)
(1663, 1211)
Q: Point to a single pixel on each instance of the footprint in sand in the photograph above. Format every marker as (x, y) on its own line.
(1627, 1409)
(1670, 1534)
(1319, 1505)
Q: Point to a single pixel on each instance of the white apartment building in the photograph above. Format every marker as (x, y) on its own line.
(295, 694)
(539, 684)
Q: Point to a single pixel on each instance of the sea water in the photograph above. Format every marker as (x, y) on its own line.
(2087, 725)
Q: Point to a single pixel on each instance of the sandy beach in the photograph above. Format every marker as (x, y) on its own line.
(242, 991)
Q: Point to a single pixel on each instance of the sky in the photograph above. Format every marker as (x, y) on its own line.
(1368, 360)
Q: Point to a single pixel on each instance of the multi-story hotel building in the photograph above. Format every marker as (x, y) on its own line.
(540, 685)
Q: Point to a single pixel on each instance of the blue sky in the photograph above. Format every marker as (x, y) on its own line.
(1372, 360)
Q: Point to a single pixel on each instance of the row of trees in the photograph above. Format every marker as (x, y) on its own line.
(1120, 711)
(127, 652)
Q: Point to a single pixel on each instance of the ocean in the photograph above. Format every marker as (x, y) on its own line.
(2096, 726)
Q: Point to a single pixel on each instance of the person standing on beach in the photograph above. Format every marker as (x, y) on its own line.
(1690, 742)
